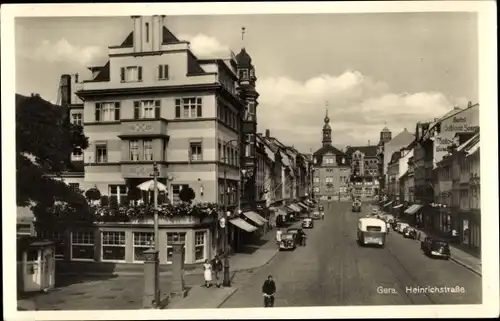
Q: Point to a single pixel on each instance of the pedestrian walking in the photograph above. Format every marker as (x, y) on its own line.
(207, 267)
(217, 268)
(279, 233)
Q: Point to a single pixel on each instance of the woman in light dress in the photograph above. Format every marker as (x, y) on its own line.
(208, 273)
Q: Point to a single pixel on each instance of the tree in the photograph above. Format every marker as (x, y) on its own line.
(45, 140)
(187, 195)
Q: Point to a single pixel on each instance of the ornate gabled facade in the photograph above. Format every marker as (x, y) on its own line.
(331, 169)
(364, 170)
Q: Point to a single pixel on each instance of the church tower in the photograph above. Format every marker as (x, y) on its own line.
(327, 131)
(249, 95)
(385, 136)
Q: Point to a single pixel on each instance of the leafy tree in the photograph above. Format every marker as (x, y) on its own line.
(187, 195)
(45, 139)
(93, 194)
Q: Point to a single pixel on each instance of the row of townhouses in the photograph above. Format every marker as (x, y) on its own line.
(154, 103)
(433, 176)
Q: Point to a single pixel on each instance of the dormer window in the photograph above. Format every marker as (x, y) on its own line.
(252, 73)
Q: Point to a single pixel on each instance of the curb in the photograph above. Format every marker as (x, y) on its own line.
(468, 267)
(227, 298)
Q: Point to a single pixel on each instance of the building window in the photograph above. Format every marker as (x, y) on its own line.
(147, 32)
(77, 119)
(221, 155)
(74, 186)
(316, 190)
(163, 72)
(243, 73)
(101, 153)
(147, 109)
(118, 193)
(175, 237)
(176, 190)
(148, 150)
(131, 74)
(82, 245)
(199, 245)
(134, 150)
(191, 107)
(107, 111)
(329, 180)
(195, 151)
(316, 179)
(113, 246)
(77, 155)
(142, 242)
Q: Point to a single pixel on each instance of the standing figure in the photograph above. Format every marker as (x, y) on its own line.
(217, 268)
(268, 291)
(278, 236)
(207, 267)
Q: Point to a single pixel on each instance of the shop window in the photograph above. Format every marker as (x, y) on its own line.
(82, 245)
(142, 242)
(113, 246)
(175, 237)
(199, 245)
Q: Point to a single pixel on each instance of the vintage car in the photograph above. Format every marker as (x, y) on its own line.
(401, 227)
(409, 233)
(435, 248)
(292, 231)
(356, 206)
(371, 231)
(307, 223)
(288, 242)
(316, 215)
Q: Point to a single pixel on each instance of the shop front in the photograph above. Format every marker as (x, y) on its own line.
(470, 229)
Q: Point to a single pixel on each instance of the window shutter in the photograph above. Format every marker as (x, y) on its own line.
(136, 110)
(122, 74)
(166, 73)
(139, 73)
(160, 72)
(198, 111)
(117, 111)
(177, 108)
(97, 112)
(157, 108)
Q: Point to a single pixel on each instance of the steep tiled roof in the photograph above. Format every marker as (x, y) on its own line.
(370, 151)
(402, 139)
(168, 37)
(328, 149)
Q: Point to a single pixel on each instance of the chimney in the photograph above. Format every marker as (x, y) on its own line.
(65, 88)
(268, 133)
(469, 104)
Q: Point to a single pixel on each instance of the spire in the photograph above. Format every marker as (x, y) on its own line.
(243, 37)
(327, 119)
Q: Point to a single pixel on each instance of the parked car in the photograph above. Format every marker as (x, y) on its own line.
(402, 227)
(435, 248)
(307, 223)
(356, 206)
(316, 215)
(288, 242)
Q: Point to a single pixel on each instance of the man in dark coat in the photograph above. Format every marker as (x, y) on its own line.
(269, 290)
(217, 268)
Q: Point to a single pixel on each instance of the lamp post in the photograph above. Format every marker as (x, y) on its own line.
(227, 280)
(155, 175)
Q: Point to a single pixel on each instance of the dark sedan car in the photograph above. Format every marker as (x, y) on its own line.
(288, 242)
(435, 248)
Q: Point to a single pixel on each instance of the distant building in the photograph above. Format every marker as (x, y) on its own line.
(331, 169)
(401, 140)
(364, 170)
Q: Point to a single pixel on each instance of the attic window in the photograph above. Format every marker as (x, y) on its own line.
(244, 73)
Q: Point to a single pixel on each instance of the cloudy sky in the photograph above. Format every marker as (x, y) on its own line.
(372, 69)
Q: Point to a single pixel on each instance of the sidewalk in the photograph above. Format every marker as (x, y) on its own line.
(459, 255)
(200, 297)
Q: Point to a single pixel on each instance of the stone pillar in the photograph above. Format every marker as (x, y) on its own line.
(177, 286)
(151, 295)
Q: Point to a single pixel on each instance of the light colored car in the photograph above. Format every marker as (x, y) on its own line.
(307, 223)
(402, 227)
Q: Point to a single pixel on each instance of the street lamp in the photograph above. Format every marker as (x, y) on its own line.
(227, 280)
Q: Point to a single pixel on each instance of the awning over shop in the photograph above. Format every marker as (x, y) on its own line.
(398, 206)
(388, 203)
(303, 205)
(309, 202)
(295, 208)
(279, 211)
(413, 209)
(256, 218)
(243, 225)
